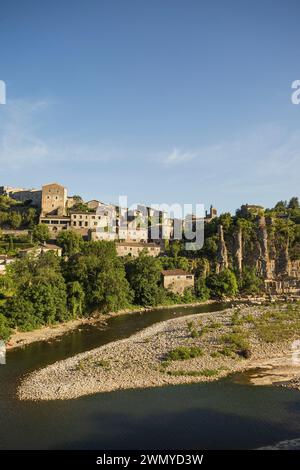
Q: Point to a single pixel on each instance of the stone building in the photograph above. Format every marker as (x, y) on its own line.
(56, 223)
(131, 234)
(102, 234)
(54, 200)
(88, 220)
(34, 196)
(209, 216)
(177, 280)
(134, 249)
(94, 204)
(42, 248)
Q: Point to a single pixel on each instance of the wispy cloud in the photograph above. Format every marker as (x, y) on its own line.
(19, 142)
(179, 156)
(23, 144)
(264, 152)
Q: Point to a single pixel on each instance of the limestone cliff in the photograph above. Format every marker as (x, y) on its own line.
(222, 254)
(238, 249)
(263, 261)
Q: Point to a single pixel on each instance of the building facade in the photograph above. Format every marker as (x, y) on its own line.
(177, 280)
(54, 200)
(134, 249)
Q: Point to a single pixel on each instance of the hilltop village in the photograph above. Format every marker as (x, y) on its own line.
(62, 257)
(95, 220)
(143, 229)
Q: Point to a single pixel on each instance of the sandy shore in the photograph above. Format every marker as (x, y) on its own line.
(138, 361)
(46, 333)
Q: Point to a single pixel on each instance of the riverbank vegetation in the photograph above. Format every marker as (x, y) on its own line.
(90, 277)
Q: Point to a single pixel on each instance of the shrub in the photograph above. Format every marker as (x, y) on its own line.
(238, 343)
(182, 353)
(223, 284)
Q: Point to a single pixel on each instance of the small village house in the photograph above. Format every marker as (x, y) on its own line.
(177, 280)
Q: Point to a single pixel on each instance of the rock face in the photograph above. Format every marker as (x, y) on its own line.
(283, 260)
(264, 264)
(222, 255)
(238, 250)
(262, 248)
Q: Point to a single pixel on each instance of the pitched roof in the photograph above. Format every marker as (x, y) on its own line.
(175, 272)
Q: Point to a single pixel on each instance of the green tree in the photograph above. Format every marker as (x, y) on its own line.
(226, 221)
(101, 273)
(223, 284)
(5, 330)
(294, 203)
(30, 218)
(70, 242)
(38, 292)
(144, 276)
(75, 298)
(41, 233)
(20, 313)
(174, 248)
(201, 290)
(15, 220)
(250, 283)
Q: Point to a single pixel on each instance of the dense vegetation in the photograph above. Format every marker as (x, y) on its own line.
(16, 215)
(44, 290)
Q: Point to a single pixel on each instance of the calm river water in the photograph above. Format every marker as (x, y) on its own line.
(221, 415)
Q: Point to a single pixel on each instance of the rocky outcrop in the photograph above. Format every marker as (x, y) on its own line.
(264, 264)
(283, 260)
(222, 255)
(238, 250)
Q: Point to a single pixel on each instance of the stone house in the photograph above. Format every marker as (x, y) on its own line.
(133, 234)
(54, 200)
(209, 216)
(134, 249)
(88, 220)
(102, 233)
(43, 248)
(56, 223)
(177, 280)
(22, 195)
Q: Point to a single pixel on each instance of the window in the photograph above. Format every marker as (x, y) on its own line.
(86, 224)
(74, 224)
(189, 277)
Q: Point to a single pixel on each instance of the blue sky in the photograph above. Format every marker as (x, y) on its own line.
(173, 101)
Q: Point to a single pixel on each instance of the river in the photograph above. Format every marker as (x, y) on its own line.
(227, 414)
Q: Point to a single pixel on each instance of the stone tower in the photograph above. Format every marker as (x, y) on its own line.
(54, 199)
